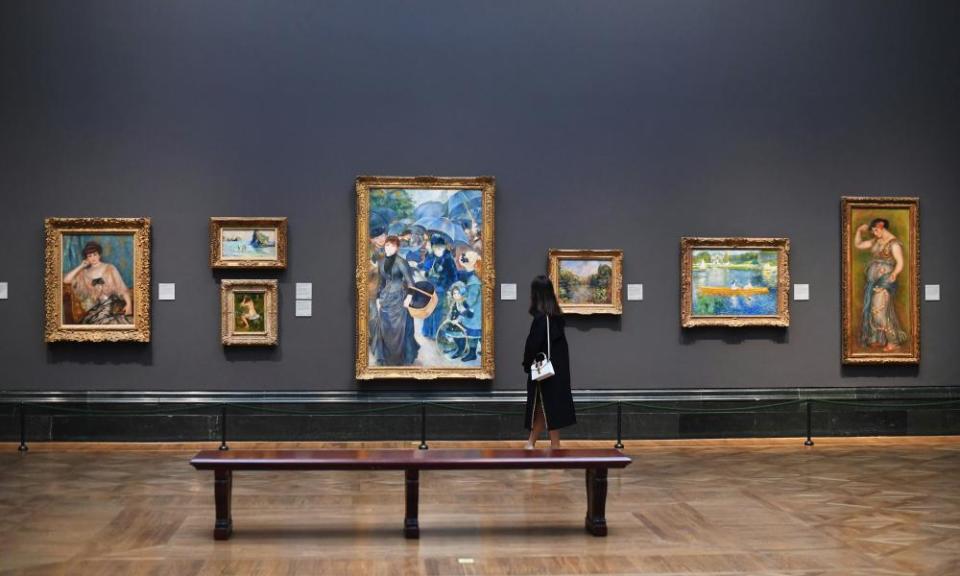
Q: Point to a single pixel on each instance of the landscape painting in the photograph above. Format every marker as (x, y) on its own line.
(98, 279)
(587, 281)
(734, 282)
(425, 277)
(237, 242)
(880, 280)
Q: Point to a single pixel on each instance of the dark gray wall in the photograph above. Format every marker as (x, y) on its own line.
(607, 124)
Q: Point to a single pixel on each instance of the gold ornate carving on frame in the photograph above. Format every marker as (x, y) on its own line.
(364, 184)
(228, 335)
(615, 257)
(54, 328)
(217, 224)
(780, 319)
(848, 203)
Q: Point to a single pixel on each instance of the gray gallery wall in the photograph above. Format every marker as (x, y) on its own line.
(607, 124)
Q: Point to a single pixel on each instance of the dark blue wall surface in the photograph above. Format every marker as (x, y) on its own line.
(608, 124)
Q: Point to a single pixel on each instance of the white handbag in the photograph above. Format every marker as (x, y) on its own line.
(542, 369)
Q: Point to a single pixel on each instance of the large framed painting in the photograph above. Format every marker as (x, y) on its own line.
(734, 282)
(248, 242)
(248, 312)
(880, 280)
(587, 281)
(97, 280)
(425, 277)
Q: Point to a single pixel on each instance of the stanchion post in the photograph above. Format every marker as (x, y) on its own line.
(423, 427)
(23, 428)
(223, 428)
(619, 444)
(809, 442)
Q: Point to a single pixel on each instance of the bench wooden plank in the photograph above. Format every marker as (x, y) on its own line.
(406, 459)
(594, 462)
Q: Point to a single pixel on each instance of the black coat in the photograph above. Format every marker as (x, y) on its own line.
(554, 392)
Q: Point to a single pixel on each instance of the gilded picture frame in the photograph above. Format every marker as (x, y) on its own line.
(878, 236)
(587, 281)
(429, 314)
(248, 312)
(97, 280)
(248, 243)
(734, 282)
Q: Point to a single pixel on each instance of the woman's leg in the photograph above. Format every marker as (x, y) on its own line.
(537, 428)
(554, 438)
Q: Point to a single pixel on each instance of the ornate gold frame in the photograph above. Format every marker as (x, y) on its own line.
(54, 329)
(555, 255)
(271, 329)
(847, 204)
(781, 319)
(486, 184)
(219, 223)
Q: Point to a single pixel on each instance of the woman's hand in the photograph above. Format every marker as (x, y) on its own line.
(407, 300)
(863, 228)
(128, 310)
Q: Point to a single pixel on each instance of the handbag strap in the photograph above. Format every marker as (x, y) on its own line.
(548, 337)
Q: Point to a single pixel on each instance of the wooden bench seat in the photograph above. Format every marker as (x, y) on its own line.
(594, 462)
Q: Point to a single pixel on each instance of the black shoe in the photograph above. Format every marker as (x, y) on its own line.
(471, 353)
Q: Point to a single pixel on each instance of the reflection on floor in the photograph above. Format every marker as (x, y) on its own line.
(842, 508)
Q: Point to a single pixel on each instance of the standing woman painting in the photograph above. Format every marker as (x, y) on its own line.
(879, 326)
(550, 401)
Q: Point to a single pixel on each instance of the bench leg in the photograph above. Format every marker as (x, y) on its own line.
(411, 526)
(596, 521)
(222, 491)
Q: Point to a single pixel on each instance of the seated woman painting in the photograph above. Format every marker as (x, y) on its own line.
(97, 291)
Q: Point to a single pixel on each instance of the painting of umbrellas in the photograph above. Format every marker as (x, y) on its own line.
(734, 282)
(425, 277)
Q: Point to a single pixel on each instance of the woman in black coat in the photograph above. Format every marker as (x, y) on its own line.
(549, 401)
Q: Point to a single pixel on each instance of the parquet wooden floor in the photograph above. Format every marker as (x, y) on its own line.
(854, 507)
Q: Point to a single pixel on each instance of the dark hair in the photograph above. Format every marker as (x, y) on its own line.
(92, 247)
(884, 221)
(438, 240)
(542, 298)
(392, 240)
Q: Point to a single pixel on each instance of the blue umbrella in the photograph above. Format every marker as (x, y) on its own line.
(431, 209)
(465, 205)
(445, 226)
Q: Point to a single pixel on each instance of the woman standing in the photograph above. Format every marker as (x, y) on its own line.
(394, 343)
(549, 401)
(879, 326)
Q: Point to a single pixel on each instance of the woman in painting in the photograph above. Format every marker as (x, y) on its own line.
(101, 291)
(441, 271)
(394, 343)
(249, 312)
(879, 326)
(549, 401)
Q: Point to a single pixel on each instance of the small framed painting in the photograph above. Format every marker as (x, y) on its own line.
(734, 282)
(248, 312)
(880, 280)
(248, 242)
(587, 281)
(97, 280)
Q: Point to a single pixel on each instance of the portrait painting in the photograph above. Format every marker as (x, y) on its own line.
(734, 282)
(97, 279)
(880, 280)
(425, 277)
(587, 281)
(248, 312)
(248, 242)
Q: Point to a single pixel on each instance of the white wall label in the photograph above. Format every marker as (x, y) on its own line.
(3, 291)
(801, 291)
(166, 291)
(304, 290)
(634, 291)
(304, 308)
(931, 292)
(508, 291)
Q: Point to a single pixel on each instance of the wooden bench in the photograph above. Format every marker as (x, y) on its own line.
(595, 462)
